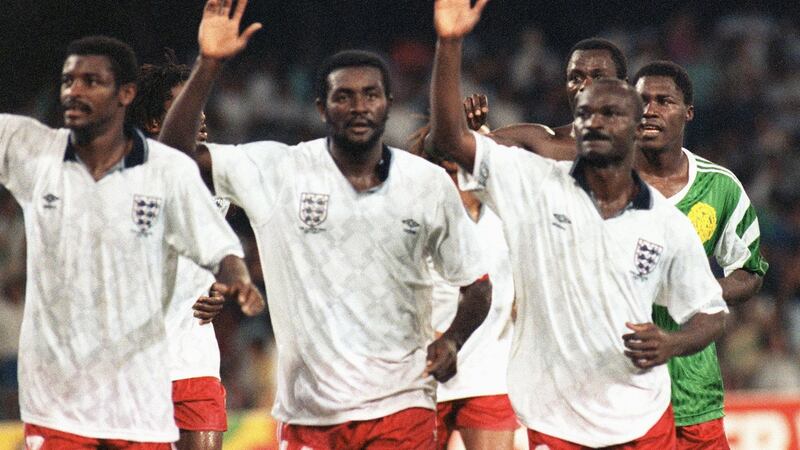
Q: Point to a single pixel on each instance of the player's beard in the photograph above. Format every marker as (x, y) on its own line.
(341, 140)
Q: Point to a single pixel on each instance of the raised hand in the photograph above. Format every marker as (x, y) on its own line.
(218, 36)
(456, 18)
(476, 107)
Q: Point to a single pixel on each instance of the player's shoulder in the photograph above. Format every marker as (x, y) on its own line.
(28, 126)
(710, 171)
(415, 167)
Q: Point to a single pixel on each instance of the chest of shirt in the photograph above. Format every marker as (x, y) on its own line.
(564, 228)
(325, 209)
(126, 206)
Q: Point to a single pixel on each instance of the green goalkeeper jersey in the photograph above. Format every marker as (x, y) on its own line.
(726, 222)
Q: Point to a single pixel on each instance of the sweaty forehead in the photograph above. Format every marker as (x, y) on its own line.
(592, 60)
(604, 95)
(356, 77)
(657, 84)
(87, 63)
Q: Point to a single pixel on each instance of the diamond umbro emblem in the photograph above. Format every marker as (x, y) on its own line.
(411, 226)
(50, 200)
(561, 220)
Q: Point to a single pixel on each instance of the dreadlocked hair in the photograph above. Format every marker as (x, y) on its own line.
(154, 88)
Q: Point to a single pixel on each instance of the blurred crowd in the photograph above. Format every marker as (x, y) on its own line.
(746, 73)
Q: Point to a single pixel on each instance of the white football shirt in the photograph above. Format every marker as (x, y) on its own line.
(349, 287)
(194, 351)
(483, 360)
(578, 280)
(93, 354)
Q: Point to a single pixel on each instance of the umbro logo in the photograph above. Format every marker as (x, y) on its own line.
(410, 226)
(561, 220)
(50, 201)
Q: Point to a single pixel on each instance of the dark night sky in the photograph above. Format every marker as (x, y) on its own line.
(34, 33)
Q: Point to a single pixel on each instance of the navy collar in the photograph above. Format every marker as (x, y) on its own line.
(643, 199)
(383, 165)
(137, 155)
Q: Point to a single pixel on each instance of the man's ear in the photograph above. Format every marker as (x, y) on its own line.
(320, 109)
(126, 93)
(689, 113)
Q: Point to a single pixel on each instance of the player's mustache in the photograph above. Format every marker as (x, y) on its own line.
(360, 121)
(76, 104)
(593, 136)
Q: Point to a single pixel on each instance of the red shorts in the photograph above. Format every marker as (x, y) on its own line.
(703, 436)
(42, 438)
(409, 429)
(489, 412)
(660, 436)
(199, 404)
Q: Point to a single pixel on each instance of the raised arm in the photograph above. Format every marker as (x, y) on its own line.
(219, 40)
(453, 20)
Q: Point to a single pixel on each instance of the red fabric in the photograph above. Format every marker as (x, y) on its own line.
(409, 429)
(42, 438)
(703, 436)
(199, 404)
(489, 412)
(660, 436)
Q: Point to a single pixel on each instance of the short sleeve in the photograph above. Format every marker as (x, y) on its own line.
(453, 241)
(24, 144)
(739, 244)
(250, 175)
(689, 287)
(504, 172)
(194, 227)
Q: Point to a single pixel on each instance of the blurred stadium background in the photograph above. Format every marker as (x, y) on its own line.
(743, 56)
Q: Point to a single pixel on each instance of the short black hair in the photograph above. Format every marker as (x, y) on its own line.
(620, 63)
(671, 70)
(120, 54)
(154, 88)
(351, 58)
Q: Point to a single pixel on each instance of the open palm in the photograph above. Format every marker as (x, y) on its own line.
(218, 36)
(456, 18)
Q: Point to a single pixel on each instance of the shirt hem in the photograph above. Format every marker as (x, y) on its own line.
(686, 421)
(367, 413)
(127, 435)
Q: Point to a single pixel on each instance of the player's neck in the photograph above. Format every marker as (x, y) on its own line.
(471, 204)
(359, 167)
(612, 187)
(663, 163)
(102, 151)
(666, 170)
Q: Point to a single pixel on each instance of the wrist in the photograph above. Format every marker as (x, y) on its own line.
(210, 63)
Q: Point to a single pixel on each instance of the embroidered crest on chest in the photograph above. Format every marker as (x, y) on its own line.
(145, 213)
(646, 258)
(313, 211)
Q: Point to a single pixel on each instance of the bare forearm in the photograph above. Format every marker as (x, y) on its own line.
(182, 121)
(740, 286)
(476, 299)
(232, 269)
(696, 334)
(449, 131)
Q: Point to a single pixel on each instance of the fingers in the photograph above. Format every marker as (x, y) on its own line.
(239, 11)
(250, 31)
(225, 7)
(207, 308)
(251, 301)
(479, 5)
(212, 6)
